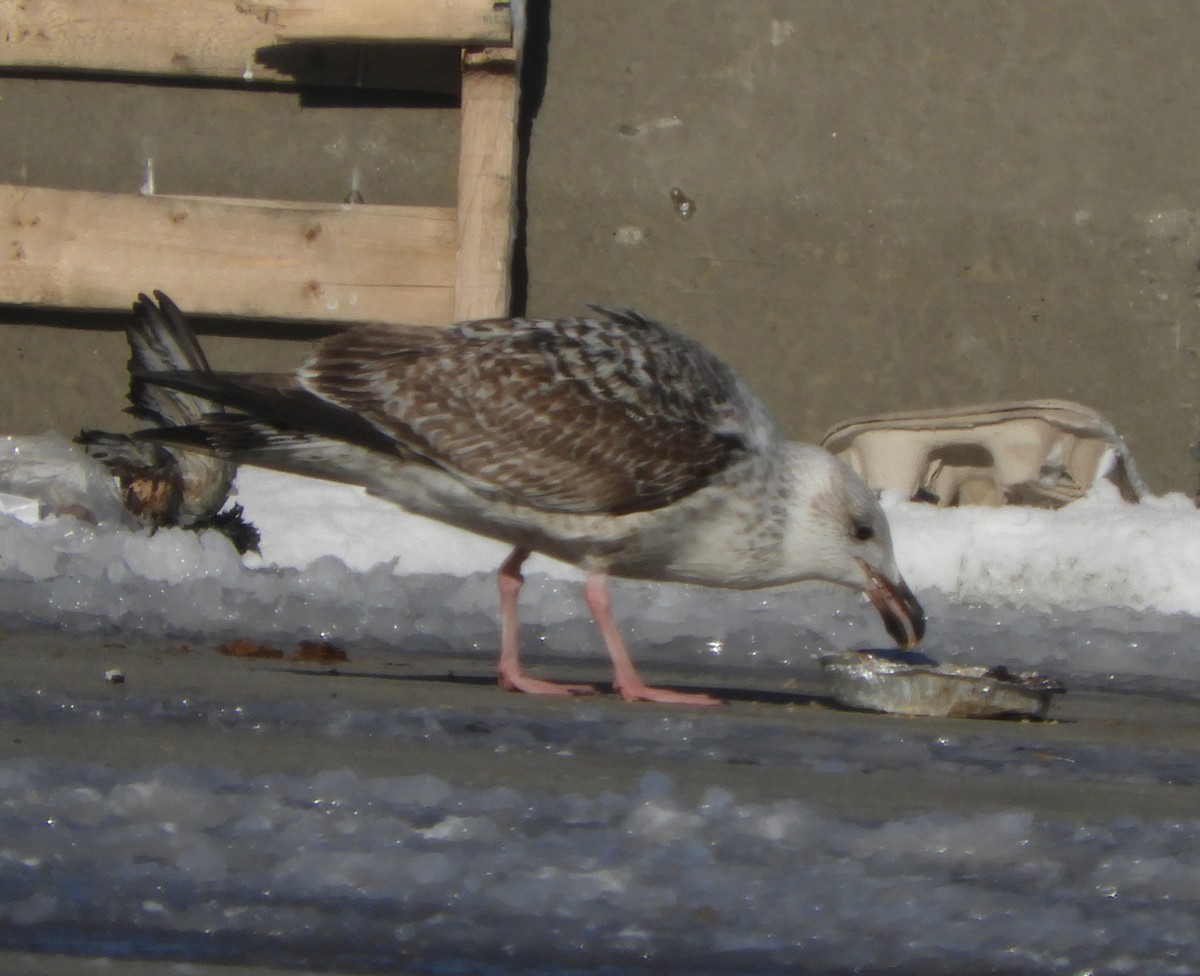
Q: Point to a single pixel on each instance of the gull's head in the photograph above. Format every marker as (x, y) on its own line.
(838, 532)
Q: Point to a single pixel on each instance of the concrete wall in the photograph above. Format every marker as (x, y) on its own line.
(897, 204)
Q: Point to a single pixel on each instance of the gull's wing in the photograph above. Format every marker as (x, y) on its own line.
(575, 415)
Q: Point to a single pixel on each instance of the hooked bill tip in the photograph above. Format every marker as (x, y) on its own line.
(902, 614)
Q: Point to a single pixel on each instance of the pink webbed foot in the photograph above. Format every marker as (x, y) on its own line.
(626, 681)
(512, 677)
(644, 693)
(536, 686)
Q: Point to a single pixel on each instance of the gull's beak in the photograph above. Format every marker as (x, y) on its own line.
(902, 614)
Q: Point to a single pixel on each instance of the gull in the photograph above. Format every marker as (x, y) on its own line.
(610, 442)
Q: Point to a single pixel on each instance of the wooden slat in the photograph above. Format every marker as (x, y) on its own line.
(227, 38)
(269, 259)
(459, 22)
(486, 185)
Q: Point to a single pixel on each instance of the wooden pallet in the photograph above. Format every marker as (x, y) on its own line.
(268, 258)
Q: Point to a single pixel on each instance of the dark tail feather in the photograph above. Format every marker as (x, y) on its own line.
(160, 340)
(160, 337)
(233, 436)
(263, 394)
(278, 401)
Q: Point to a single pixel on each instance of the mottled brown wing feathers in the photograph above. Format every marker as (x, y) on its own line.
(572, 415)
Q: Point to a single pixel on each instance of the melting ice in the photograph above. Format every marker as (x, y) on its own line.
(349, 872)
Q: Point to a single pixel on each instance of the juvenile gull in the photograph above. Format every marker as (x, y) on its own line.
(613, 443)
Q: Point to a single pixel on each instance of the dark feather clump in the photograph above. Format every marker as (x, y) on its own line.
(160, 485)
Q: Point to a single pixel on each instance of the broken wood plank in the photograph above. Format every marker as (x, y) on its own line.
(240, 39)
(252, 258)
(487, 183)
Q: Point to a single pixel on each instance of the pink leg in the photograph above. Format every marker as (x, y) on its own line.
(625, 677)
(512, 678)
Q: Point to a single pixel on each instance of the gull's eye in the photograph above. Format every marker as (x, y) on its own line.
(862, 532)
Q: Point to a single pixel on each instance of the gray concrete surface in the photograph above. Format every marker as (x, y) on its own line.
(896, 204)
(758, 703)
(986, 770)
